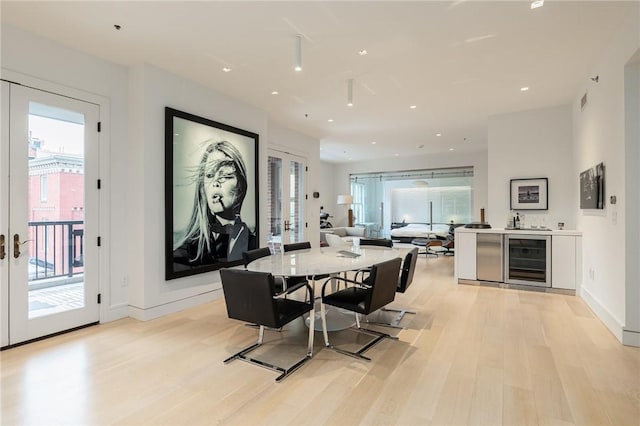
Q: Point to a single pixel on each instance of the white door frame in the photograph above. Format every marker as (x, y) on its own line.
(287, 157)
(104, 195)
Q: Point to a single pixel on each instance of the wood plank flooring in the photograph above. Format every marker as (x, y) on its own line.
(471, 356)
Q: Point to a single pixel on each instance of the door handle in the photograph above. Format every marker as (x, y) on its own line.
(17, 244)
(286, 225)
(3, 251)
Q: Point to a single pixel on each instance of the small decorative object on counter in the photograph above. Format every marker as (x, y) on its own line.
(516, 221)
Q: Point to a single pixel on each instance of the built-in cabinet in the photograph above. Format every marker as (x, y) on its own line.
(566, 255)
(466, 249)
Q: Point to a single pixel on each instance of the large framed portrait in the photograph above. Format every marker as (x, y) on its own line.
(529, 194)
(211, 194)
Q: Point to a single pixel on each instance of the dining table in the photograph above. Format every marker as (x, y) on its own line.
(319, 261)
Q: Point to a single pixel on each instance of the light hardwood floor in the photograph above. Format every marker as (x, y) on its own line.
(472, 355)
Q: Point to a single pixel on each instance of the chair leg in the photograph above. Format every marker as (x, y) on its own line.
(358, 354)
(323, 317)
(285, 371)
(312, 320)
(396, 322)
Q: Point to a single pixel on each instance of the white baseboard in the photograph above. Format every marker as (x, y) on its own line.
(603, 314)
(115, 312)
(172, 307)
(631, 338)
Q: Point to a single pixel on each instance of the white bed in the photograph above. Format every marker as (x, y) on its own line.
(420, 230)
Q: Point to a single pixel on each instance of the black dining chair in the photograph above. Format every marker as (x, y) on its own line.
(404, 281)
(363, 299)
(380, 242)
(282, 284)
(251, 297)
(296, 246)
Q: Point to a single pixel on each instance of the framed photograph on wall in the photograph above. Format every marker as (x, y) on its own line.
(529, 194)
(592, 187)
(211, 194)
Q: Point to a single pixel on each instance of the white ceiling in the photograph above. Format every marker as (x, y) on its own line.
(458, 62)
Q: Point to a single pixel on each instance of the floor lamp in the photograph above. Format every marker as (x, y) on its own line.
(347, 200)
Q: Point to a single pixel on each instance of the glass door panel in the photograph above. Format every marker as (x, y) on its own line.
(285, 200)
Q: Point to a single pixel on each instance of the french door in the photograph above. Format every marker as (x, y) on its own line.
(48, 214)
(286, 189)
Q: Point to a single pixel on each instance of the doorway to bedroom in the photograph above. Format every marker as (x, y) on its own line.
(431, 198)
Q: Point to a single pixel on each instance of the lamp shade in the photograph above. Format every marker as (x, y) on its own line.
(345, 199)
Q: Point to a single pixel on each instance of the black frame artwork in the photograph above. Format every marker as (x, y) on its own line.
(211, 194)
(530, 194)
(592, 187)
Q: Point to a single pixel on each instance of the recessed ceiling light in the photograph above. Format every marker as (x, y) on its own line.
(396, 154)
(524, 89)
(275, 92)
(536, 4)
(421, 146)
(226, 69)
(176, 134)
(413, 106)
(438, 134)
(350, 158)
(373, 142)
(117, 27)
(450, 149)
(362, 52)
(330, 120)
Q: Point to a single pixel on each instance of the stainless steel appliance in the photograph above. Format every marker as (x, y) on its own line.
(527, 259)
(489, 257)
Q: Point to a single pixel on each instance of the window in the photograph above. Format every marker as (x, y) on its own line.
(357, 192)
(43, 188)
(415, 196)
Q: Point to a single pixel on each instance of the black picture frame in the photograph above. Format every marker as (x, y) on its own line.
(211, 194)
(530, 194)
(592, 188)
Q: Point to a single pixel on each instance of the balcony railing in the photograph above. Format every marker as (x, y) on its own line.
(56, 249)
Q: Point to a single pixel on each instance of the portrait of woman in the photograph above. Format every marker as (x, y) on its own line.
(210, 188)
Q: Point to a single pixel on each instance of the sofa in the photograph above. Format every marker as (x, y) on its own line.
(347, 233)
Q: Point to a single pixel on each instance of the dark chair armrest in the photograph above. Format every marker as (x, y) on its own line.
(343, 279)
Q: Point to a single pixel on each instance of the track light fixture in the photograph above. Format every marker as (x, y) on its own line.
(350, 92)
(596, 78)
(298, 66)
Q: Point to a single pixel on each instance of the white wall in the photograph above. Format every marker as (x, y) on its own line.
(600, 136)
(328, 195)
(532, 144)
(476, 159)
(151, 90)
(632, 195)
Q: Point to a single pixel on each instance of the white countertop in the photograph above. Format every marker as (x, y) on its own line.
(527, 231)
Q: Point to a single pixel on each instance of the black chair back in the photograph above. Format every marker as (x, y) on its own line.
(408, 269)
(384, 282)
(380, 242)
(296, 246)
(251, 255)
(249, 296)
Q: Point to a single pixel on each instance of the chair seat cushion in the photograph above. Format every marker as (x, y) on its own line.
(352, 298)
(289, 310)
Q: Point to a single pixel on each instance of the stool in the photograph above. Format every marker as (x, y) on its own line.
(426, 243)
